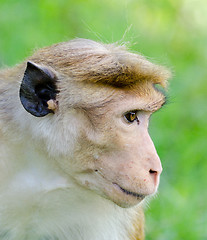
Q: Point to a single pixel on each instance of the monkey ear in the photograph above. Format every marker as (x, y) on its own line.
(38, 90)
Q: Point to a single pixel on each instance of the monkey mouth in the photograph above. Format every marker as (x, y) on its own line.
(137, 195)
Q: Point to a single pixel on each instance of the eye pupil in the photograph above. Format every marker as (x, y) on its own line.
(131, 116)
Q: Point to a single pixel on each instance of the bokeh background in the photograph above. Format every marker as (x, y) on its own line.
(169, 32)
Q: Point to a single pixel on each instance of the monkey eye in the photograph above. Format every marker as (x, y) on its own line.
(131, 117)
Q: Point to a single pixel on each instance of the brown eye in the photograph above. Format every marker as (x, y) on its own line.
(131, 116)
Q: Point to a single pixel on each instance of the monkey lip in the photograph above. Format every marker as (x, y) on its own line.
(137, 195)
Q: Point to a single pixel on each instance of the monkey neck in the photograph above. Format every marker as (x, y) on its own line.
(43, 204)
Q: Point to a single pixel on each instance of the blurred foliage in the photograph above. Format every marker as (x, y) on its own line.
(169, 32)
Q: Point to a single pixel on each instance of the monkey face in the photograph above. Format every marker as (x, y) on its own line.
(121, 164)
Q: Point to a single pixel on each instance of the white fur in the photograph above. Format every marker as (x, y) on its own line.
(37, 203)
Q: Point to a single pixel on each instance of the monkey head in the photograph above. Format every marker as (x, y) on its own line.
(90, 105)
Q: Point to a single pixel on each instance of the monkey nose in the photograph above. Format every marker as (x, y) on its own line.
(155, 166)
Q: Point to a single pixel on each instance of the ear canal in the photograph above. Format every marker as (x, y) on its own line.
(37, 88)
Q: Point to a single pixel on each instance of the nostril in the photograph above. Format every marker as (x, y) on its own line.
(152, 171)
(155, 176)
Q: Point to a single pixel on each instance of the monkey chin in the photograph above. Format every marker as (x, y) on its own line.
(128, 202)
(124, 198)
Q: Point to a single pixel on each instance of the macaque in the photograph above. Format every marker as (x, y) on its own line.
(76, 159)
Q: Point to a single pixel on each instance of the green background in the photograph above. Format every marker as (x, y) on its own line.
(168, 32)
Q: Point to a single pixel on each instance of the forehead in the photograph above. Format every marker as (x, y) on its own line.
(145, 97)
(98, 101)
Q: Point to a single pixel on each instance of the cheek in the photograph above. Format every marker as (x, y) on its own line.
(117, 166)
(134, 169)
